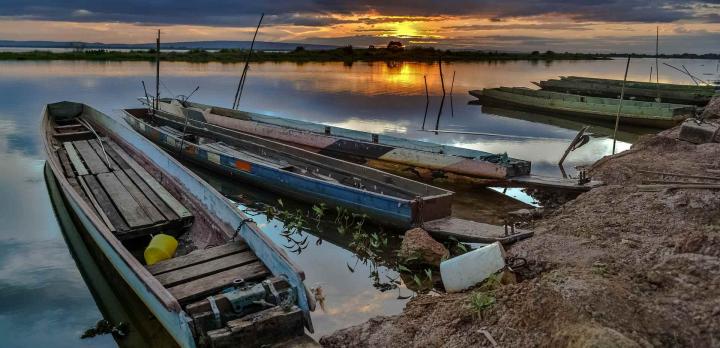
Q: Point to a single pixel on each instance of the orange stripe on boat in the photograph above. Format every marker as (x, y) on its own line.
(242, 165)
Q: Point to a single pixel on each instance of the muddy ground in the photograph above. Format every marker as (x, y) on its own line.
(616, 267)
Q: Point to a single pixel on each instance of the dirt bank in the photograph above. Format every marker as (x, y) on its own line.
(615, 267)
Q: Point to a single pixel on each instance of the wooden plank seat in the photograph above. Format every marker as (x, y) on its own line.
(127, 198)
(206, 272)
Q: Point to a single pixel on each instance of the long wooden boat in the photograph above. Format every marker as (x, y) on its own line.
(120, 188)
(673, 93)
(639, 113)
(376, 150)
(287, 170)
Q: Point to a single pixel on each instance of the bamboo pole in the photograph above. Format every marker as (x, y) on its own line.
(241, 83)
(452, 85)
(689, 74)
(657, 67)
(442, 101)
(427, 101)
(622, 96)
(157, 71)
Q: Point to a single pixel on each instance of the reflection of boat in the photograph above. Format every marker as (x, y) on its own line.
(626, 133)
(119, 186)
(375, 149)
(674, 93)
(291, 171)
(116, 300)
(647, 114)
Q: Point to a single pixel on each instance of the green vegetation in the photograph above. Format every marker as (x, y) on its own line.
(484, 297)
(342, 54)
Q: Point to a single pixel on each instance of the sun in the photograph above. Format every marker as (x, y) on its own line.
(406, 29)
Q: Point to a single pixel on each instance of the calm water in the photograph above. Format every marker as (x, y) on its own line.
(43, 299)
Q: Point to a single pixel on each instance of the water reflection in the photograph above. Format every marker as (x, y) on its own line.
(43, 299)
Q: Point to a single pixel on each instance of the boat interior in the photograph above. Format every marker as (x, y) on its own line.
(134, 200)
(309, 165)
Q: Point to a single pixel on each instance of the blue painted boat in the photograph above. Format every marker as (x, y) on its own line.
(381, 151)
(101, 168)
(295, 172)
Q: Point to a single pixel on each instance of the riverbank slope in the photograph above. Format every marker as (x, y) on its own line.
(617, 266)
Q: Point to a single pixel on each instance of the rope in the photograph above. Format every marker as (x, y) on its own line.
(107, 161)
(242, 223)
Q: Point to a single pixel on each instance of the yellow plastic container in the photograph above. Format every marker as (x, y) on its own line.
(161, 247)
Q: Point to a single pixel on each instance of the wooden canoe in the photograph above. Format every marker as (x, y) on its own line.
(638, 113)
(608, 88)
(291, 171)
(119, 188)
(376, 150)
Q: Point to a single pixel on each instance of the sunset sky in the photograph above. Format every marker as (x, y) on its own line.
(514, 25)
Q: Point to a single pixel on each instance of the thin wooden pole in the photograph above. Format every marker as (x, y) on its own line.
(622, 96)
(651, 67)
(241, 83)
(452, 84)
(689, 74)
(657, 66)
(147, 97)
(157, 71)
(427, 101)
(442, 101)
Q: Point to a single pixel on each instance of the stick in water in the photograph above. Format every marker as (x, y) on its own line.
(622, 96)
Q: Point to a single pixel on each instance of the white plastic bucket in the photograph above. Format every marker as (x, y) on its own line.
(466, 270)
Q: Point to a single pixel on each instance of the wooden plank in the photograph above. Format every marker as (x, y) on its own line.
(114, 155)
(173, 203)
(196, 257)
(96, 191)
(88, 195)
(66, 126)
(473, 232)
(270, 327)
(150, 210)
(208, 285)
(91, 158)
(65, 161)
(151, 195)
(205, 269)
(130, 210)
(75, 159)
(102, 152)
(69, 136)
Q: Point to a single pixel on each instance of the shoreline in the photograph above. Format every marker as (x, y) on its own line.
(617, 266)
(346, 55)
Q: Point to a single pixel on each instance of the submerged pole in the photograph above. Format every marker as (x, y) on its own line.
(622, 96)
(452, 84)
(241, 84)
(651, 67)
(442, 101)
(157, 71)
(427, 101)
(657, 66)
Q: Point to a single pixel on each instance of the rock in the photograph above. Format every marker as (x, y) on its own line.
(417, 243)
(698, 133)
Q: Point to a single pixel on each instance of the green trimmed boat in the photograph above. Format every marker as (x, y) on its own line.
(675, 93)
(639, 113)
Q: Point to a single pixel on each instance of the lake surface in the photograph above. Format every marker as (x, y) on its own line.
(43, 298)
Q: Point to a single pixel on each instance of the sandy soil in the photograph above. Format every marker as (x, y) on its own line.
(615, 267)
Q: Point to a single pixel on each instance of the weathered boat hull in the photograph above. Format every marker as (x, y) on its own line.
(604, 113)
(116, 301)
(368, 146)
(389, 210)
(151, 292)
(633, 89)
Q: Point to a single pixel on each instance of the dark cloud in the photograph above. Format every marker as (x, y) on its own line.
(317, 12)
(542, 26)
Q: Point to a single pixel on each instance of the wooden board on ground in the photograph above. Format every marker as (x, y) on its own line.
(473, 232)
(533, 180)
(106, 205)
(205, 269)
(197, 256)
(75, 159)
(91, 158)
(203, 287)
(176, 206)
(130, 210)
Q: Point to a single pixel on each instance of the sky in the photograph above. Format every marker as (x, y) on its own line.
(511, 25)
